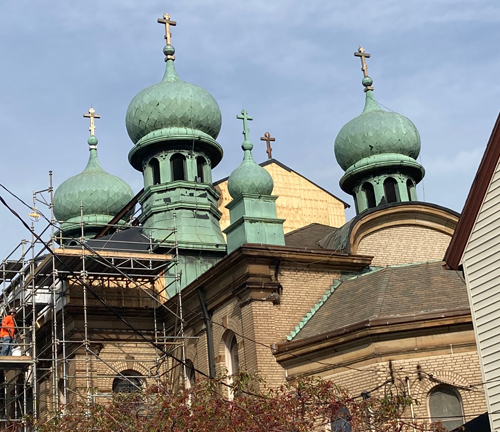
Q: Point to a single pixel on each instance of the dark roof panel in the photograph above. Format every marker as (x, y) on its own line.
(390, 292)
(307, 237)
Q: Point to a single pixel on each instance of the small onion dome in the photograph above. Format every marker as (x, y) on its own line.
(102, 195)
(249, 178)
(375, 132)
(172, 108)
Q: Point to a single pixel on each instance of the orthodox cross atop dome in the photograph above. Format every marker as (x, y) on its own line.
(167, 22)
(92, 115)
(268, 138)
(246, 118)
(367, 81)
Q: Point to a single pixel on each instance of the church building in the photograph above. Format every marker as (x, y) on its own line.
(193, 277)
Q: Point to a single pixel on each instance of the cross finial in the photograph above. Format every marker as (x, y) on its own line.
(246, 118)
(267, 138)
(92, 115)
(367, 81)
(168, 22)
(364, 55)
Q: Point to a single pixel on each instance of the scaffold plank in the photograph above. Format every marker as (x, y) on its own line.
(14, 362)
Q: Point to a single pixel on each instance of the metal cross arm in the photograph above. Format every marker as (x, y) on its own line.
(92, 115)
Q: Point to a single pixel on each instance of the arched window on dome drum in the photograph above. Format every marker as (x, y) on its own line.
(445, 405)
(178, 164)
(129, 381)
(200, 169)
(390, 190)
(155, 167)
(410, 187)
(369, 192)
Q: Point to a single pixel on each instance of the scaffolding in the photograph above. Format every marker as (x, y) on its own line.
(90, 317)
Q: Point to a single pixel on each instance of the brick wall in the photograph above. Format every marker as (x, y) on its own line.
(262, 322)
(458, 369)
(404, 245)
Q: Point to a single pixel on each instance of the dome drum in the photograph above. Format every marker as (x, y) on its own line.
(175, 164)
(171, 140)
(381, 164)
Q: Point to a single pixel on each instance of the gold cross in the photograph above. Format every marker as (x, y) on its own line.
(267, 138)
(166, 20)
(364, 55)
(92, 115)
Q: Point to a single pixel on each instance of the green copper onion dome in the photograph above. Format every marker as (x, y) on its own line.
(375, 132)
(378, 151)
(249, 177)
(172, 108)
(103, 195)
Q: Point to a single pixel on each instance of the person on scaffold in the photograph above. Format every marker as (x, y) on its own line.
(7, 333)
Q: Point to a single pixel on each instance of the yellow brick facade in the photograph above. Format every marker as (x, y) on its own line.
(404, 245)
(300, 201)
(461, 370)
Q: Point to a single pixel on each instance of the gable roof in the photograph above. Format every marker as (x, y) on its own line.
(399, 291)
(475, 198)
(307, 237)
(286, 168)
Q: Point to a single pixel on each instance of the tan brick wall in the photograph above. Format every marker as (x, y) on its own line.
(404, 245)
(259, 324)
(459, 369)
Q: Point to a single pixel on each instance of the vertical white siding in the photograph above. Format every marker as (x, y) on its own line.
(481, 262)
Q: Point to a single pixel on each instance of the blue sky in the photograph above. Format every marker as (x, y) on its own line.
(289, 63)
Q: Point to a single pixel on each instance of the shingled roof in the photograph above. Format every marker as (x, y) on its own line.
(307, 237)
(409, 290)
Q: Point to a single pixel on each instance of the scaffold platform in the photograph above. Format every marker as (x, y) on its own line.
(14, 362)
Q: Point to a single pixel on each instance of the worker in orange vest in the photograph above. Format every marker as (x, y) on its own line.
(7, 333)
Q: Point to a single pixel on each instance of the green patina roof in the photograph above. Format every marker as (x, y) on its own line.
(376, 132)
(101, 193)
(249, 177)
(175, 104)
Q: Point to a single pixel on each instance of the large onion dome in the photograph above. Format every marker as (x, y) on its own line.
(376, 132)
(98, 194)
(378, 151)
(172, 110)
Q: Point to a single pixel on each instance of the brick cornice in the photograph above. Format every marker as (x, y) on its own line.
(250, 274)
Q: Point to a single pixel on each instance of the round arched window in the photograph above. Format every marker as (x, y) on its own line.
(342, 423)
(129, 381)
(445, 405)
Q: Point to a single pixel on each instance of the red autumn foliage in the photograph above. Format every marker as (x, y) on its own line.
(300, 405)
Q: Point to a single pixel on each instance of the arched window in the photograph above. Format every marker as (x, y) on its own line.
(231, 359)
(342, 422)
(129, 381)
(231, 355)
(390, 190)
(177, 164)
(190, 375)
(369, 194)
(200, 169)
(410, 187)
(445, 405)
(155, 167)
(61, 393)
